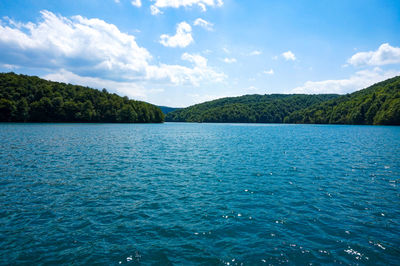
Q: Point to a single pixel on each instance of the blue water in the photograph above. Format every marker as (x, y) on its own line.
(208, 194)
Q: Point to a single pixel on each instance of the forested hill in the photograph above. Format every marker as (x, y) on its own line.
(375, 105)
(378, 104)
(31, 99)
(248, 108)
(166, 109)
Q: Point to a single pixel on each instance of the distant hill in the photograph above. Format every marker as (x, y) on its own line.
(248, 108)
(378, 104)
(31, 99)
(166, 109)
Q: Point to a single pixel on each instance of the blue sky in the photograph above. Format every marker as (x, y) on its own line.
(181, 52)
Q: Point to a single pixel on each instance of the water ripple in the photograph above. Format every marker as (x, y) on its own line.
(207, 194)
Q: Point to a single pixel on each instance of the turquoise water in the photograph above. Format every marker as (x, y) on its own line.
(209, 194)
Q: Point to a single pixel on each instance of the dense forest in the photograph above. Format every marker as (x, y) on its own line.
(378, 104)
(248, 109)
(166, 109)
(31, 99)
(375, 105)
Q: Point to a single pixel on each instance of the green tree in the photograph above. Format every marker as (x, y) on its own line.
(28, 98)
(127, 114)
(42, 110)
(87, 111)
(7, 110)
(22, 112)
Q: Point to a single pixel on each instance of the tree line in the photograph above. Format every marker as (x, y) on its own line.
(31, 99)
(378, 104)
(247, 109)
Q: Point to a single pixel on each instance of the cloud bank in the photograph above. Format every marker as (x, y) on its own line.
(357, 81)
(385, 55)
(78, 49)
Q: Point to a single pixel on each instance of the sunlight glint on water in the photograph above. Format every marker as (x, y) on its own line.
(199, 193)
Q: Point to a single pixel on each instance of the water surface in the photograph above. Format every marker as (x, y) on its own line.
(210, 194)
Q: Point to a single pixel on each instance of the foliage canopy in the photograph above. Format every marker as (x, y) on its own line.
(378, 104)
(247, 109)
(31, 99)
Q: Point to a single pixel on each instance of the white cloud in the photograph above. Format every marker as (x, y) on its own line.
(155, 11)
(289, 56)
(385, 55)
(9, 66)
(137, 3)
(129, 89)
(269, 72)
(182, 38)
(198, 60)
(255, 52)
(85, 45)
(116, 1)
(160, 4)
(358, 81)
(230, 60)
(91, 51)
(178, 74)
(226, 50)
(204, 24)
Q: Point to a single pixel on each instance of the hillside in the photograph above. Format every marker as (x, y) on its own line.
(248, 108)
(378, 104)
(166, 109)
(31, 99)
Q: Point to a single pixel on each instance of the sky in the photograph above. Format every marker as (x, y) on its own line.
(182, 52)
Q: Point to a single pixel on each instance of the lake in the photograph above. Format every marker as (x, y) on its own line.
(208, 194)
